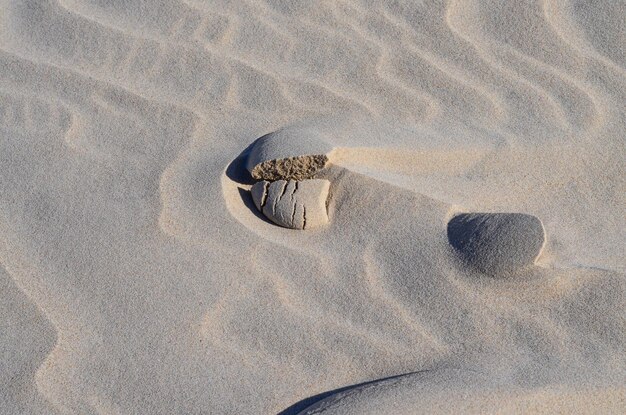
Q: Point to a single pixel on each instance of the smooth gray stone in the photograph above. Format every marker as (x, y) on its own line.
(497, 243)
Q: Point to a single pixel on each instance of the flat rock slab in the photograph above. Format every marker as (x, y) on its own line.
(293, 204)
(497, 243)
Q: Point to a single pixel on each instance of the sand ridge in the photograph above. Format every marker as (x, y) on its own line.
(129, 234)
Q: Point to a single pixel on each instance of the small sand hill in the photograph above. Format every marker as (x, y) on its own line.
(475, 393)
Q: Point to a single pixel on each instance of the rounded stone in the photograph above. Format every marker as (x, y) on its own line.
(293, 204)
(497, 243)
(288, 154)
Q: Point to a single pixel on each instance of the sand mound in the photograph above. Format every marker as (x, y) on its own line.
(452, 391)
(293, 204)
(497, 243)
(288, 154)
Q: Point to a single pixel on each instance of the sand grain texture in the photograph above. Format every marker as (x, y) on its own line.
(498, 244)
(286, 154)
(138, 276)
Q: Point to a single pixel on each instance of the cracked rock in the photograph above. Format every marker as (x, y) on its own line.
(293, 204)
(288, 154)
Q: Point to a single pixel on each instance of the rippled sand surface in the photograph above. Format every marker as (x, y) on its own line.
(136, 275)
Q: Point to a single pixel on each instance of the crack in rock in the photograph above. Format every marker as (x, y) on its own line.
(306, 206)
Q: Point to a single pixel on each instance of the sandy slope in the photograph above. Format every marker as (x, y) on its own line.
(137, 276)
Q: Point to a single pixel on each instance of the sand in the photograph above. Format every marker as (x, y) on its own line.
(138, 276)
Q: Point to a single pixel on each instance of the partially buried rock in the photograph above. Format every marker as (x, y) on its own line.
(497, 243)
(288, 154)
(293, 204)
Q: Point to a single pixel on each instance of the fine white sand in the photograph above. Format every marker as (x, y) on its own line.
(138, 276)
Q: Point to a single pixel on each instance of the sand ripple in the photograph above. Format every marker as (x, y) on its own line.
(128, 233)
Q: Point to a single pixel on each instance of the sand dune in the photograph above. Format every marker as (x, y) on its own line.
(138, 276)
(429, 391)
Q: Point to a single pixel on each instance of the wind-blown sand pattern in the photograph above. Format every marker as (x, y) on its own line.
(139, 277)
